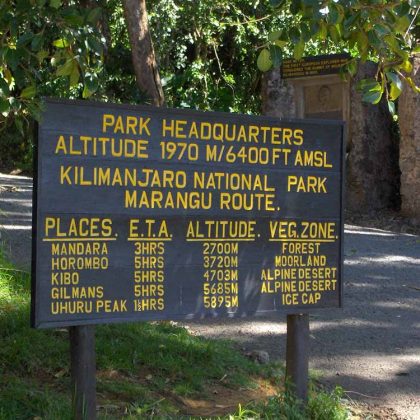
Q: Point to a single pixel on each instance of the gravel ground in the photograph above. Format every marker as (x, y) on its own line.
(371, 347)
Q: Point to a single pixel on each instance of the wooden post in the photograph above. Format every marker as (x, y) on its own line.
(297, 355)
(83, 371)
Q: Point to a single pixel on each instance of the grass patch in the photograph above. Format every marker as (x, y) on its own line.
(144, 370)
(322, 405)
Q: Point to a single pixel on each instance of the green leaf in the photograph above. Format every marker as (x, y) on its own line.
(395, 85)
(381, 30)
(294, 35)
(334, 33)
(307, 12)
(91, 82)
(336, 14)
(348, 23)
(8, 77)
(364, 55)
(314, 27)
(73, 17)
(94, 15)
(372, 97)
(42, 55)
(67, 68)
(295, 7)
(406, 66)
(29, 92)
(394, 78)
(4, 106)
(280, 43)
(274, 36)
(323, 31)
(372, 90)
(276, 55)
(35, 109)
(86, 92)
(403, 54)
(95, 46)
(55, 4)
(277, 3)
(391, 107)
(4, 87)
(369, 84)
(374, 39)
(74, 76)
(402, 9)
(61, 43)
(37, 42)
(392, 42)
(341, 12)
(352, 40)
(90, 85)
(352, 67)
(13, 58)
(299, 50)
(19, 125)
(402, 24)
(264, 62)
(25, 39)
(362, 41)
(394, 92)
(305, 31)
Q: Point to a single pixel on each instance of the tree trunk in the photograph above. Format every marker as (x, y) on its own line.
(142, 51)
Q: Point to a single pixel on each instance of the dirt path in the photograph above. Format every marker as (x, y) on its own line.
(371, 347)
(16, 218)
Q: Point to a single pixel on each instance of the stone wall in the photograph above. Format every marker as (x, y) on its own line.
(277, 96)
(409, 119)
(372, 174)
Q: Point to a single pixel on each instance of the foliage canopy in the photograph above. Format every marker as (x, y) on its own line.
(208, 51)
(386, 31)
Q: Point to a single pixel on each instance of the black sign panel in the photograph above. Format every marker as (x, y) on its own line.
(313, 66)
(147, 213)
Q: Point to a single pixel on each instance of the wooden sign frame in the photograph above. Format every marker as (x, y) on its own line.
(93, 213)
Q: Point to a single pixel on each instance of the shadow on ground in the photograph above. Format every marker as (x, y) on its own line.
(371, 347)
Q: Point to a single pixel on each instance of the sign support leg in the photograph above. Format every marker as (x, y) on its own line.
(83, 371)
(297, 355)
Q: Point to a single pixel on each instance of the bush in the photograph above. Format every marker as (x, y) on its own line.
(16, 146)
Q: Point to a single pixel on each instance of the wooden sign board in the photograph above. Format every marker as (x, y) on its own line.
(146, 213)
(313, 66)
